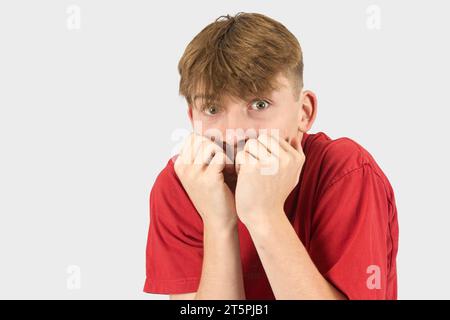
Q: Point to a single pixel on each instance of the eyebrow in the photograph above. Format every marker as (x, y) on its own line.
(203, 100)
(201, 96)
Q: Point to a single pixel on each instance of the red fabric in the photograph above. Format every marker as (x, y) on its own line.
(343, 210)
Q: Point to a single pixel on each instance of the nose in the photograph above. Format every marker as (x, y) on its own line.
(238, 128)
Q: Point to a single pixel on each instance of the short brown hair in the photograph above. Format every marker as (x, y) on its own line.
(239, 56)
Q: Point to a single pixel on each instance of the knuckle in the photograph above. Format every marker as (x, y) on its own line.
(251, 142)
(263, 137)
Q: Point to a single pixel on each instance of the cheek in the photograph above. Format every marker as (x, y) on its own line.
(287, 125)
(290, 122)
(206, 126)
(292, 132)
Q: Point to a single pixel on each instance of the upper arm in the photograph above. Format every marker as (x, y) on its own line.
(351, 234)
(174, 252)
(183, 296)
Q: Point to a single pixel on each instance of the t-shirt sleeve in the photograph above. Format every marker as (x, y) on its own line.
(174, 251)
(350, 238)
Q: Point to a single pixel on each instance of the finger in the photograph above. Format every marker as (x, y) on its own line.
(296, 144)
(243, 158)
(239, 160)
(281, 142)
(198, 144)
(270, 143)
(217, 163)
(194, 145)
(284, 144)
(257, 149)
(182, 156)
(188, 150)
(206, 152)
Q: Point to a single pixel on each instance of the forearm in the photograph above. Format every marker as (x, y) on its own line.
(222, 269)
(291, 272)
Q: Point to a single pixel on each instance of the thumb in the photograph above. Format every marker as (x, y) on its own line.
(241, 158)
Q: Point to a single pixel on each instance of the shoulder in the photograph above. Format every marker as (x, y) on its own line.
(167, 178)
(330, 160)
(169, 200)
(341, 153)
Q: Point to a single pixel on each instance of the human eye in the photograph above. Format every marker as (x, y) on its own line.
(211, 110)
(260, 104)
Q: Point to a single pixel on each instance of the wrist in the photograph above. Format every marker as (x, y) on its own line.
(220, 235)
(265, 223)
(220, 225)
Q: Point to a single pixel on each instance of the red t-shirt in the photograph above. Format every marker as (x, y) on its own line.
(343, 210)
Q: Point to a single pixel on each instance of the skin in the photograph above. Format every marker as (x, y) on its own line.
(223, 187)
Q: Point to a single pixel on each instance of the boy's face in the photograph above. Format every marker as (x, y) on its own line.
(235, 120)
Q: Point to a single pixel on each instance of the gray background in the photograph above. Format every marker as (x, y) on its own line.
(87, 118)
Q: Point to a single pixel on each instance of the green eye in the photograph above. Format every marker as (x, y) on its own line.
(211, 110)
(260, 104)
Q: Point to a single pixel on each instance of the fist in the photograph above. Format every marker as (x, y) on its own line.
(268, 170)
(200, 168)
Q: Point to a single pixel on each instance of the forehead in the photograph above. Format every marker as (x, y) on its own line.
(283, 86)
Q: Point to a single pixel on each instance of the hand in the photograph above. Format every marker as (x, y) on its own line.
(268, 170)
(200, 167)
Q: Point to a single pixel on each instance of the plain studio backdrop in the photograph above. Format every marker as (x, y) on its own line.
(90, 114)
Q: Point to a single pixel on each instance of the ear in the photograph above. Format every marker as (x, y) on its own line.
(308, 110)
(189, 111)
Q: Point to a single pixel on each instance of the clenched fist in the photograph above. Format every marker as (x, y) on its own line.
(268, 170)
(200, 167)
